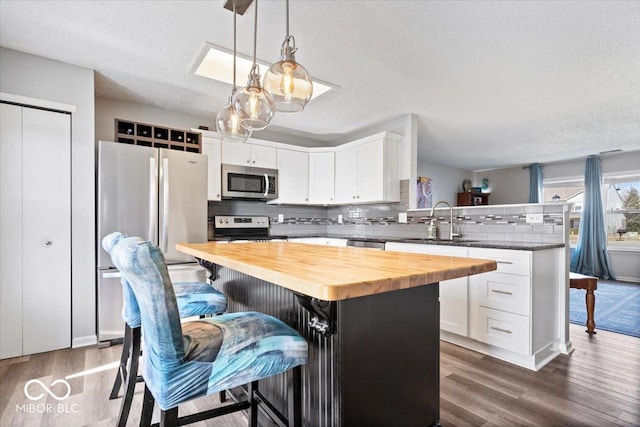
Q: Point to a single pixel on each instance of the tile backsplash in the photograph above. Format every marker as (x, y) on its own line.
(490, 223)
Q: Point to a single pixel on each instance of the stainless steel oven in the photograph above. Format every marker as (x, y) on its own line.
(234, 228)
(248, 182)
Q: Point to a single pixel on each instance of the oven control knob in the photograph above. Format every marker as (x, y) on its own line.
(226, 221)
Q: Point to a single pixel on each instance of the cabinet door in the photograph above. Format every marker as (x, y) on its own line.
(454, 293)
(293, 177)
(263, 157)
(321, 178)
(346, 181)
(370, 172)
(212, 148)
(234, 153)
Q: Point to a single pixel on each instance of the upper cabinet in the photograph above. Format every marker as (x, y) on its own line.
(321, 178)
(293, 176)
(367, 170)
(212, 148)
(248, 154)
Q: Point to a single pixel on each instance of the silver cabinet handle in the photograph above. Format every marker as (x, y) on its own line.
(500, 329)
(47, 243)
(504, 262)
(501, 292)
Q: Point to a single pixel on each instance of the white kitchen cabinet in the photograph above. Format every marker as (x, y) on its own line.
(249, 154)
(212, 148)
(325, 241)
(513, 311)
(35, 225)
(321, 178)
(367, 170)
(293, 177)
(453, 293)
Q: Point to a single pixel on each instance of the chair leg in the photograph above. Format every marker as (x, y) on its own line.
(169, 418)
(147, 408)
(122, 369)
(131, 377)
(294, 398)
(253, 409)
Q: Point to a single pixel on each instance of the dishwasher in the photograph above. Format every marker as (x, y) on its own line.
(366, 244)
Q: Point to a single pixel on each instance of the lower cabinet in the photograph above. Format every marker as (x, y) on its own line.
(512, 313)
(319, 241)
(453, 293)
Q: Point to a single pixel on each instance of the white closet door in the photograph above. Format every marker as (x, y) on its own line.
(35, 231)
(46, 217)
(10, 231)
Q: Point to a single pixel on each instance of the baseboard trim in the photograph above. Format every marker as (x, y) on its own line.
(627, 279)
(84, 341)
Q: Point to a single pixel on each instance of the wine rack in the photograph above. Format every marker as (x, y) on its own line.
(148, 135)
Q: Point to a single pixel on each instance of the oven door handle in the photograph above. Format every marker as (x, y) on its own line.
(266, 185)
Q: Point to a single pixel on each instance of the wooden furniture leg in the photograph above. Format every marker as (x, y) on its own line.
(590, 298)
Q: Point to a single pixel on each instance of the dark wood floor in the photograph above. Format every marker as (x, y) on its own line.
(598, 385)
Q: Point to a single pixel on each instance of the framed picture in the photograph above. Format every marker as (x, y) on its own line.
(477, 200)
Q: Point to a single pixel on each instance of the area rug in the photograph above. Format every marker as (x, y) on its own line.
(617, 307)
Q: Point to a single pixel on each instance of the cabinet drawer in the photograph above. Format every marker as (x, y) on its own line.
(505, 330)
(506, 292)
(509, 261)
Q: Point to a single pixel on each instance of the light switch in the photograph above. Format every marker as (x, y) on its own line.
(536, 218)
(339, 219)
(402, 217)
(280, 218)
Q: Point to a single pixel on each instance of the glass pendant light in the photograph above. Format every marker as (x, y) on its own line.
(287, 81)
(228, 120)
(254, 102)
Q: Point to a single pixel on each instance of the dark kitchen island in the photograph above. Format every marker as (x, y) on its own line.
(371, 319)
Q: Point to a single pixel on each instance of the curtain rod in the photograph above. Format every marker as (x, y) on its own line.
(601, 155)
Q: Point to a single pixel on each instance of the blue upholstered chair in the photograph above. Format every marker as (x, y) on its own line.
(202, 357)
(193, 298)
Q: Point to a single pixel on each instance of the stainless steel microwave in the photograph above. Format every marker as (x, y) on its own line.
(246, 182)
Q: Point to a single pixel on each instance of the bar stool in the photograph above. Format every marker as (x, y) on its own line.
(202, 357)
(193, 299)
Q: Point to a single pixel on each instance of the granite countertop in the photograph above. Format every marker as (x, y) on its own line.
(494, 244)
(333, 273)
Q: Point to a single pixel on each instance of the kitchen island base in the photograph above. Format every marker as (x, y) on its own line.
(379, 368)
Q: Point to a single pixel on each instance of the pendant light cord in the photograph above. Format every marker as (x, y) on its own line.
(255, 33)
(287, 18)
(234, 48)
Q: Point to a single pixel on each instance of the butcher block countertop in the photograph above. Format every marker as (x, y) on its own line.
(334, 273)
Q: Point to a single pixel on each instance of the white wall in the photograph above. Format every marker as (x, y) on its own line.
(446, 180)
(41, 78)
(507, 186)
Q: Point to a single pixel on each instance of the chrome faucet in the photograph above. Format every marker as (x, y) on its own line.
(451, 233)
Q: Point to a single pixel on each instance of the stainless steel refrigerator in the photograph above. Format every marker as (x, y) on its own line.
(156, 194)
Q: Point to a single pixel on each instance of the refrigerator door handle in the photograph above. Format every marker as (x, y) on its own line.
(153, 201)
(266, 185)
(165, 205)
(114, 275)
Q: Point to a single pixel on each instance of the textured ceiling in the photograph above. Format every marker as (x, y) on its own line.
(493, 84)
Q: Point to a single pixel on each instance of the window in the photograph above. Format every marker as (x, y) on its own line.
(567, 192)
(621, 201)
(622, 213)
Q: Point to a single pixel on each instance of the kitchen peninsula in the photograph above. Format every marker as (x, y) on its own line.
(371, 319)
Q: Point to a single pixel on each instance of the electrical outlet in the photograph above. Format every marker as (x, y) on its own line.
(281, 218)
(535, 218)
(339, 219)
(402, 217)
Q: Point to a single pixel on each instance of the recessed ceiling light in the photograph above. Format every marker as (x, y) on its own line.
(215, 62)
